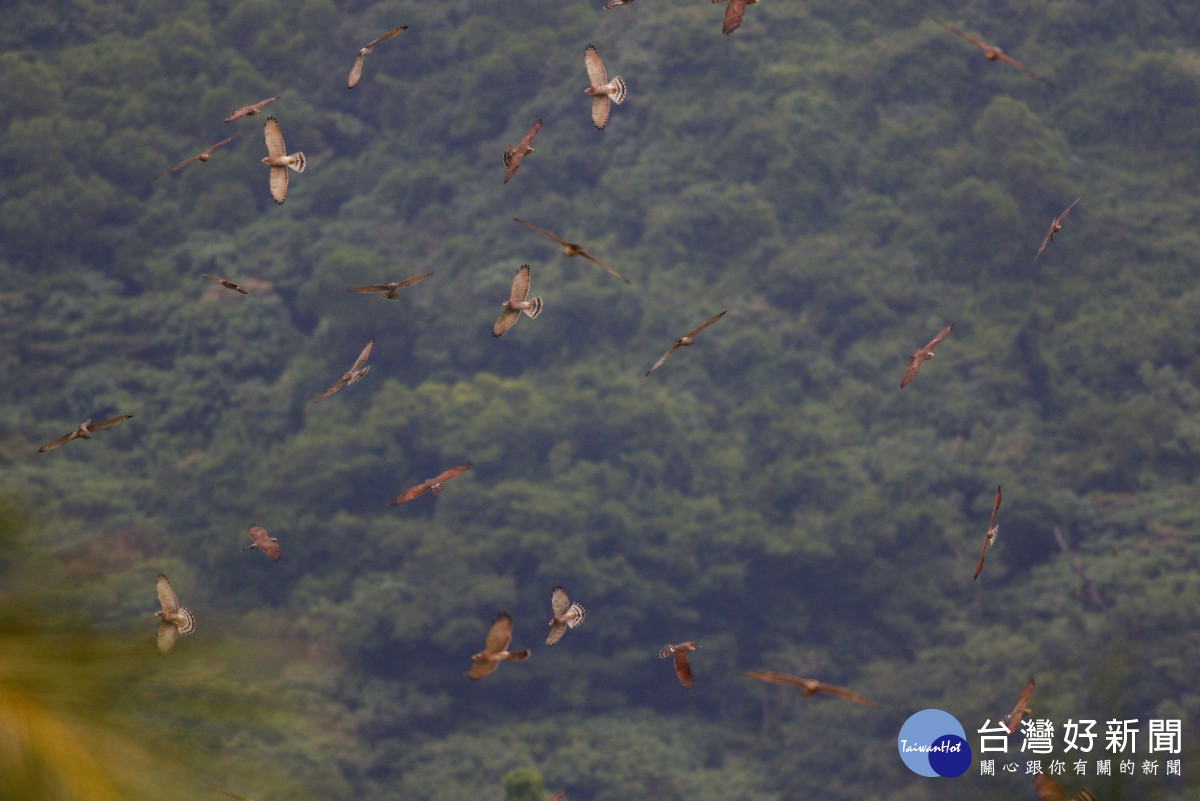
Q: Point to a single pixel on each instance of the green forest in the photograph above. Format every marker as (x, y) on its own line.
(843, 178)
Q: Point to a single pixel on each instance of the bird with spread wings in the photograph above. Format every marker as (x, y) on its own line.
(264, 542)
(993, 53)
(683, 668)
(513, 155)
(1055, 227)
(601, 89)
(495, 648)
(1013, 719)
(176, 621)
(922, 355)
(434, 485)
(225, 282)
(356, 70)
(83, 431)
(990, 536)
(279, 161)
(733, 14)
(684, 341)
(357, 370)
(251, 110)
(517, 303)
(566, 615)
(203, 156)
(388, 291)
(808, 686)
(571, 249)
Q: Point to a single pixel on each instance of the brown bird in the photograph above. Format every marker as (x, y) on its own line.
(566, 614)
(921, 355)
(990, 537)
(388, 291)
(808, 686)
(356, 70)
(1055, 227)
(234, 796)
(436, 484)
(685, 340)
(602, 89)
(84, 431)
(1049, 790)
(356, 372)
(614, 3)
(572, 249)
(264, 542)
(495, 648)
(225, 282)
(279, 161)
(992, 53)
(683, 668)
(176, 620)
(1013, 719)
(516, 303)
(513, 155)
(733, 14)
(205, 156)
(250, 111)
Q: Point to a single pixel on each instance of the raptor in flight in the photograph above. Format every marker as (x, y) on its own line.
(436, 484)
(570, 249)
(356, 372)
(495, 648)
(685, 340)
(1055, 227)
(356, 70)
(264, 542)
(683, 669)
(516, 303)
(990, 537)
(566, 614)
(921, 355)
(176, 621)
(808, 686)
(513, 155)
(204, 156)
(601, 89)
(83, 431)
(388, 291)
(279, 161)
(993, 53)
(251, 110)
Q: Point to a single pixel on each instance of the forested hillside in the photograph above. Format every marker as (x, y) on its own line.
(844, 178)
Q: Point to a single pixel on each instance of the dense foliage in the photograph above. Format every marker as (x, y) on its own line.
(844, 178)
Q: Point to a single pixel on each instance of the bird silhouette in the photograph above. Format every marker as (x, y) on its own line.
(993, 53)
(571, 249)
(808, 686)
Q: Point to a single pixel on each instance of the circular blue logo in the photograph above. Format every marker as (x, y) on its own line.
(933, 743)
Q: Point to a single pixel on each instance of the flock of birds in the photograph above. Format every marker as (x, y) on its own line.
(176, 620)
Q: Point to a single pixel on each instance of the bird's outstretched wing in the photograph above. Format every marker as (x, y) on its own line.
(112, 421)
(246, 111)
(356, 70)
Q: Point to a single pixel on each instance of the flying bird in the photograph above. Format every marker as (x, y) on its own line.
(990, 537)
(84, 431)
(249, 111)
(513, 155)
(1013, 719)
(388, 291)
(234, 796)
(356, 70)
(992, 53)
(1049, 790)
(683, 668)
(516, 303)
(571, 249)
(566, 614)
(205, 156)
(1089, 586)
(225, 282)
(614, 3)
(733, 14)
(495, 648)
(921, 355)
(264, 542)
(436, 484)
(177, 621)
(685, 340)
(356, 371)
(1055, 227)
(279, 161)
(602, 89)
(808, 686)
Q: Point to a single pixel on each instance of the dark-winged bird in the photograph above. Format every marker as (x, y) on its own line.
(1013, 719)
(922, 355)
(356, 372)
(434, 485)
(733, 14)
(993, 53)
(990, 536)
(83, 431)
(205, 156)
(225, 282)
(683, 668)
(1055, 227)
(571, 249)
(250, 111)
(388, 291)
(808, 686)
(513, 155)
(264, 542)
(685, 340)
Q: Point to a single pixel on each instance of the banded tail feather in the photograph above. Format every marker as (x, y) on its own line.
(618, 90)
(298, 162)
(535, 308)
(186, 623)
(575, 615)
